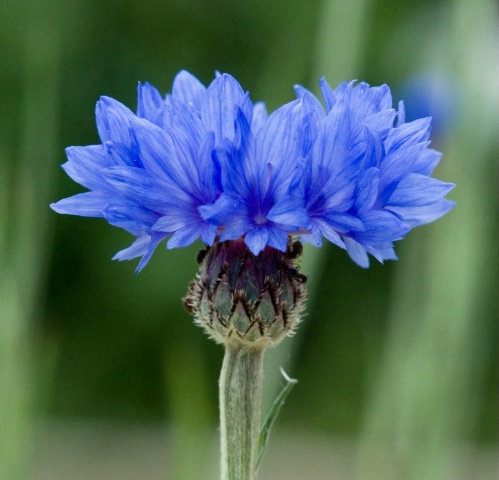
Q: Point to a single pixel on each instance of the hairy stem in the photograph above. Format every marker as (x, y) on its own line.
(240, 411)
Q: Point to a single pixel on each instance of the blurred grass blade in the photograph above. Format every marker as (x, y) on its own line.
(4, 198)
(272, 415)
(24, 231)
(188, 396)
(425, 397)
(341, 39)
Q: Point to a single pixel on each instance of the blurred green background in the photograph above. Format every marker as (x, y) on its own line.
(103, 375)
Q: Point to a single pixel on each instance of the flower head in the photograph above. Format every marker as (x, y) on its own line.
(365, 183)
(207, 163)
(155, 168)
(256, 172)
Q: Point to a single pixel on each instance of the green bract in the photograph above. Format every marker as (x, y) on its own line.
(243, 299)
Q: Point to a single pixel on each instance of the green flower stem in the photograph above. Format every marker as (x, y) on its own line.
(241, 382)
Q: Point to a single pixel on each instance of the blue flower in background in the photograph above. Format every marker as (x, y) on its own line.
(208, 163)
(432, 94)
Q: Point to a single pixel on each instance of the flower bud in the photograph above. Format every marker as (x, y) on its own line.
(245, 299)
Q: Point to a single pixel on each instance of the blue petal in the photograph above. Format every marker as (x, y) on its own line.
(256, 239)
(139, 186)
(278, 238)
(314, 238)
(357, 252)
(342, 221)
(235, 230)
(427, 161)
(418, 190)
(85, 164)
(119, 155)
(136, 249)
(225, 211)
(382, 252)
(178, 119)
(159, 155)
(113, 121)
(88, 204)
(289, 211)
(219, 107)
(332, 96)
(302, 92)
(380, 227)
(415, 216)
(399, 163)
(209, 233)
(208, 171)
(380, 121)
(337, 193)
(401, 113)
(367, 190)
(186, 132)
(374, 150)
(130, 217)
(239, 170)
(245, 171)
(260, 116)
(407, 134)
(183, 237)
(156, 238)
(280, 145)
(149, 100)
(337, 134)
(328, 231)
(176, 219)
(366, 101)
(188, 89)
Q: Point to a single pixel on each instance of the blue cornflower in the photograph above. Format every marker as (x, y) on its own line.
(366, 182)
(256, 172)
(208, 163)
(155, 168)
(434, 94)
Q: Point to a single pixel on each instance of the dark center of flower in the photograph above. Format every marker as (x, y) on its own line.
(260, 219)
